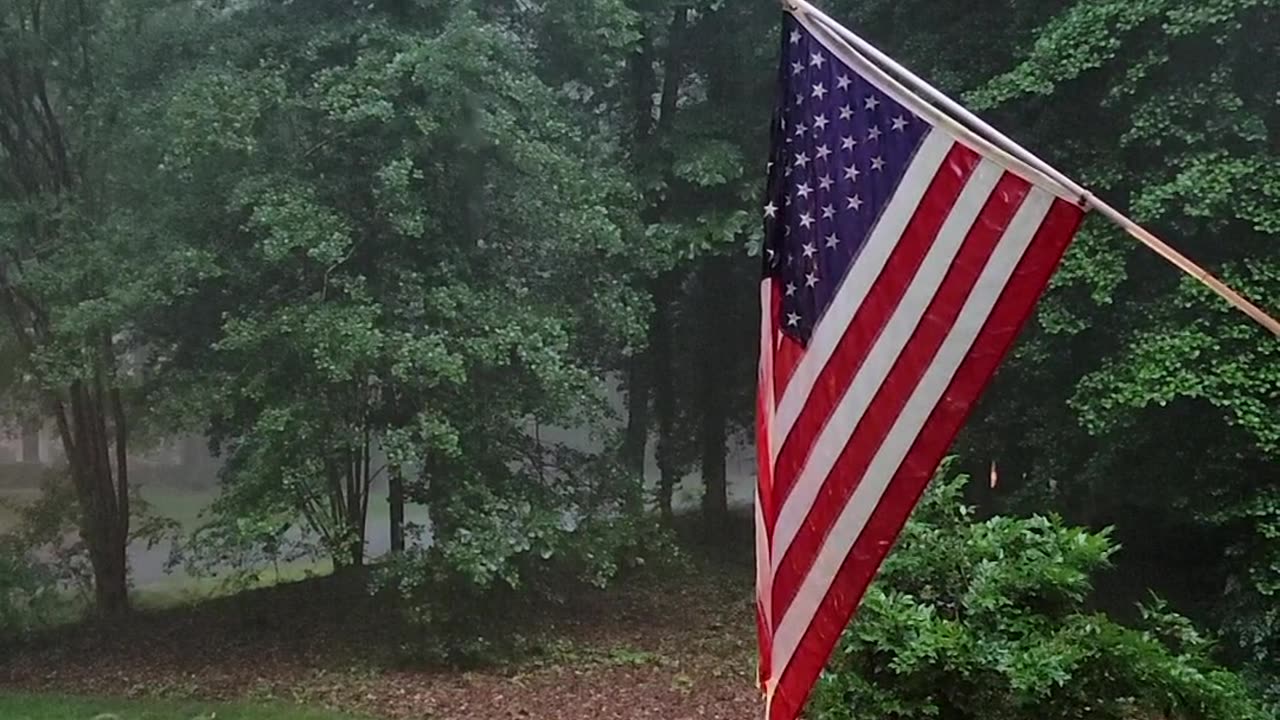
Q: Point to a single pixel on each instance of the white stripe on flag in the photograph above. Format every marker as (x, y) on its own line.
(764, 580)
(855, 286)
(880, 360)
(889, 456)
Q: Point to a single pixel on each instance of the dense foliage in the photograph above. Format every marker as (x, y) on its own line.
(23, 587)
(509, 563)
(988, 620)
(408, 247)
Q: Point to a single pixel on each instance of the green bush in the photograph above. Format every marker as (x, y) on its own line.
(989, 620)
(41, 559)
(27, 590)
(45, 574)
(462, 596)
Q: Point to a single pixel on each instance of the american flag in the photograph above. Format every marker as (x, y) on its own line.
(902, 254)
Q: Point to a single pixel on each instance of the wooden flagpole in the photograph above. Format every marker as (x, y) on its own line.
(1002, 141)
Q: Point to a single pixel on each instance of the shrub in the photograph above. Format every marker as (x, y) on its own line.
(45, 573)
(27, 590)
(460, 595)
(988, 620)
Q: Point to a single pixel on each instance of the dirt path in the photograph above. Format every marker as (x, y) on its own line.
(671, 649)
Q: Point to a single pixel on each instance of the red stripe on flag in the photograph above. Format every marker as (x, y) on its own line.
(908, 369)
(860, 335)
(765, 513)
(786, 357)
(1001, 328)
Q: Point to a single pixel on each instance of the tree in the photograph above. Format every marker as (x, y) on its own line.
(70, 285)
(680, 88)
(409, 250)
(1185, 136)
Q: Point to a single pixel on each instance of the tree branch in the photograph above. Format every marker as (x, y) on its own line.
(672, 72)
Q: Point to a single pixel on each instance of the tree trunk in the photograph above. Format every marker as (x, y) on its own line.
(643, 85)
(661, 342)
(713, 390)
(194, 450)
(103, 496)
(636, 439)
(110, 577)
(355, 552)
(655, 376)
(31, 443)
(355, 516)
(395, 497)
(435, 494)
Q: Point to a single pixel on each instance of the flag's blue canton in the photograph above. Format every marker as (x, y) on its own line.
(840, 148)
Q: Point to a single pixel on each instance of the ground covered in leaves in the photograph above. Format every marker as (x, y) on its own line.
(670, 647)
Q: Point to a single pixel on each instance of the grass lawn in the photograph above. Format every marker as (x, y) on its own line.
(175, 503)
(182, 590)
(41, 707)
(178, 503)
(11, 497)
